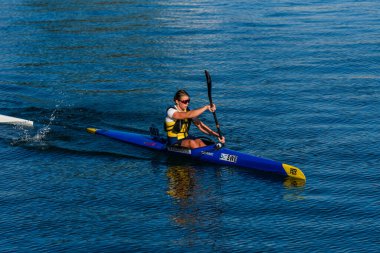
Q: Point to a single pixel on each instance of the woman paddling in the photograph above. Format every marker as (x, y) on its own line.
(179, 118)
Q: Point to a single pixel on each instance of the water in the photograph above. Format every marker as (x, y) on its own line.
(296, 82)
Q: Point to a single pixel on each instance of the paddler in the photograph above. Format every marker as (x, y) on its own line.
(178, 120)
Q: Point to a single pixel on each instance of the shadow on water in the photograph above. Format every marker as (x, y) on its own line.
(181, 181)
(197, 201)
(201, 195)
(201, 192)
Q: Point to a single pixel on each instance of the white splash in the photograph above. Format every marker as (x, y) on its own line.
(27, 135)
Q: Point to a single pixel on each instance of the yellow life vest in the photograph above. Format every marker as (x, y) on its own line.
(178, 128)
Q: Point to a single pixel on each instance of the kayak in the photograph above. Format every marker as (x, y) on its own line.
(16, 121)
(212, 153)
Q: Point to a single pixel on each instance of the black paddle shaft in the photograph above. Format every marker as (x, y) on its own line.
(209, 87)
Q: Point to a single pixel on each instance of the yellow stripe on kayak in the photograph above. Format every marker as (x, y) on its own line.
(293, 171)
(91, 130)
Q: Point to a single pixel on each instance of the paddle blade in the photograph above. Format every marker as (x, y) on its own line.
(209, 86)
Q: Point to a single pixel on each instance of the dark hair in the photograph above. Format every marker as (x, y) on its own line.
(180, 94)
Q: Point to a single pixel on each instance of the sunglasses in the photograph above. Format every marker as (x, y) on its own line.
(185, 101)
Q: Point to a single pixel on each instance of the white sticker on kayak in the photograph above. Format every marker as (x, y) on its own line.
(207, 153)
(228, 158)
(180, 150)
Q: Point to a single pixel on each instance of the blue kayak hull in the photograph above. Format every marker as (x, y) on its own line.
(211, 153)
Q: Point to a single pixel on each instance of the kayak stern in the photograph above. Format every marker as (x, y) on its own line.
(293, 171)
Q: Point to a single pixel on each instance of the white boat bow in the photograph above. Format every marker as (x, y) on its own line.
(15, 121)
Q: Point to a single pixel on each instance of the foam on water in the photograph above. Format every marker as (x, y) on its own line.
(34, 137)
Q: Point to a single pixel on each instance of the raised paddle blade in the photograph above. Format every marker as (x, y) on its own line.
(209, 88)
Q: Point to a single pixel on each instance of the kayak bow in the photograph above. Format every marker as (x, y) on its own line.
(16, 121)
(211, 153)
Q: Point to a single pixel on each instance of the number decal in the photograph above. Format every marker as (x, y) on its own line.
(228, 158)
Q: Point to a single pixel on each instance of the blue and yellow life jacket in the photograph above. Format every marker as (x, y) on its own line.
(178, 128)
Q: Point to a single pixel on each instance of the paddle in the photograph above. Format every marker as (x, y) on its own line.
(208, 78)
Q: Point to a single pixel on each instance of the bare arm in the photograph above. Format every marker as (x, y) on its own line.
(205, 129)
(191, 114)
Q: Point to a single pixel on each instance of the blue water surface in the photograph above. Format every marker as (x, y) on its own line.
(293, 81)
